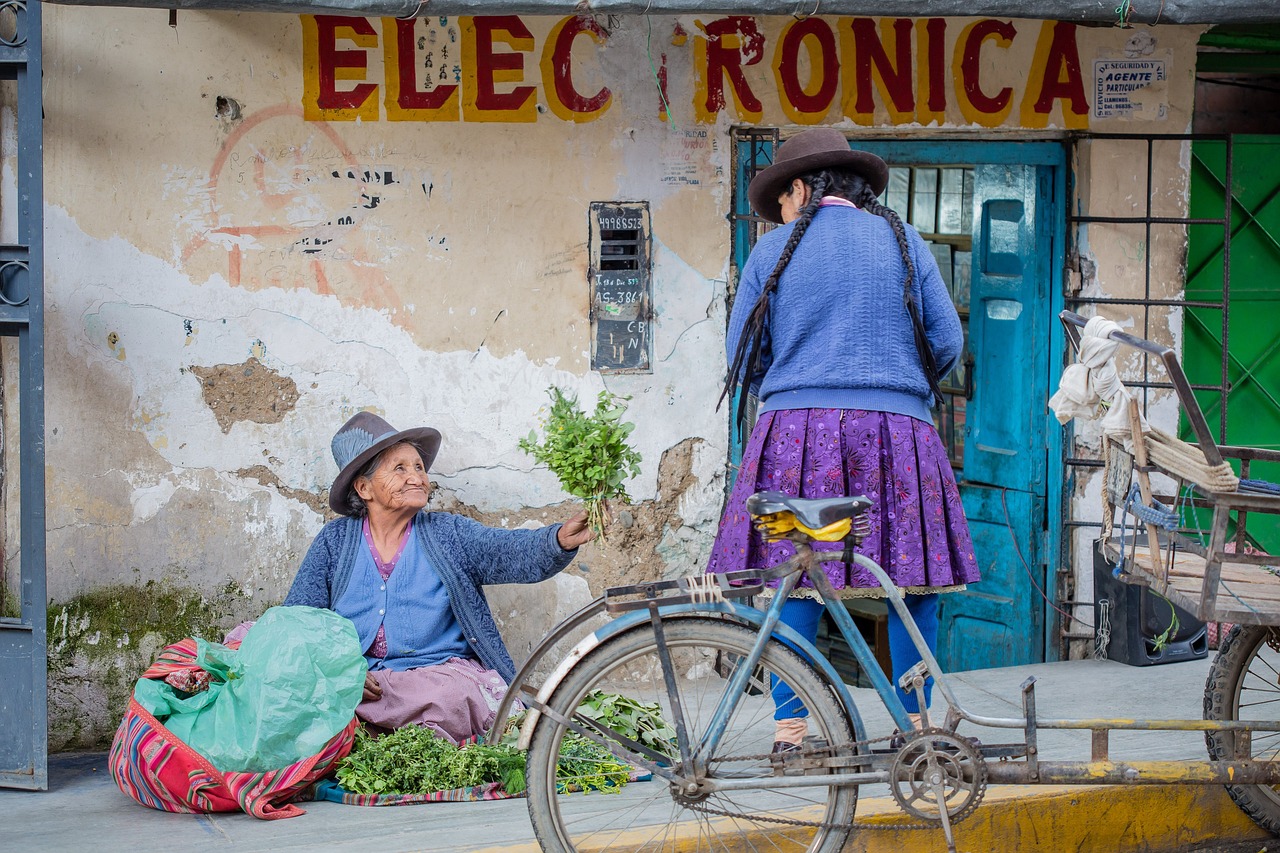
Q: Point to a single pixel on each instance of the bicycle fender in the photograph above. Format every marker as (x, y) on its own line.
(750, 615)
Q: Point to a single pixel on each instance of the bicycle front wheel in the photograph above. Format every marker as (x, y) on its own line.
(1242, 685)
(571, 815)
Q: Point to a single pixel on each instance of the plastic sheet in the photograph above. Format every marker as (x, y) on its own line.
(292, 685)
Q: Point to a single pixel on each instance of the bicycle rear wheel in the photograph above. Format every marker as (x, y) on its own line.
(651, 815)
(1242, 685)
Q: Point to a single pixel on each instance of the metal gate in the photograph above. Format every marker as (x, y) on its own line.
(1237, 266)
(1209, 307)
(23, 723)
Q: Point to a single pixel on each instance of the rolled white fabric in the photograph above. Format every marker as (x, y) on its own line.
(1093, 380)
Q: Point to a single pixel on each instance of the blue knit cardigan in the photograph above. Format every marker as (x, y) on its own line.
(839, 336)
(465, 553)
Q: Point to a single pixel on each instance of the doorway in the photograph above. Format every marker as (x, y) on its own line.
(992, 213)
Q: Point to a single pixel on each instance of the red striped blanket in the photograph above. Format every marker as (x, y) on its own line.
(161, 772)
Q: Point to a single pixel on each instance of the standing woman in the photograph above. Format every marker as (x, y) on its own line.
(843, 326)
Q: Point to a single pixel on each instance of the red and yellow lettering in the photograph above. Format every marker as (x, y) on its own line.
(483, 68)
(405, 101)
(557, 71)
(323, 65)
(931, 70)
(871, 64)
(1055, 76)
(977, 106)
(730, 45)
(807, 105)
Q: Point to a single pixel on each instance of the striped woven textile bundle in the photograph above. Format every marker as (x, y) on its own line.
(156, 769)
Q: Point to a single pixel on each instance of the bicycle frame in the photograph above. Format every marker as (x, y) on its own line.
(694, 597)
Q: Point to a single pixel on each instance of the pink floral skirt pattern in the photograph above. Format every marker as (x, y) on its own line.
(918, 530)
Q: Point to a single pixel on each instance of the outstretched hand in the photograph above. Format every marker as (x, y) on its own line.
(575, 532)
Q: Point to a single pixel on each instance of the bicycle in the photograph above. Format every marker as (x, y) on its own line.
(705, 659)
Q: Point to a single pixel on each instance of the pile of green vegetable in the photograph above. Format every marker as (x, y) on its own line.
(588, 453)
(414, 760)
(640, 721)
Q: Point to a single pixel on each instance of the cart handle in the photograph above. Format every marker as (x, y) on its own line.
(1073, 323)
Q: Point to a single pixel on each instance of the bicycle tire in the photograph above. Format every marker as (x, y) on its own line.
(647, 815)
(1243, 676)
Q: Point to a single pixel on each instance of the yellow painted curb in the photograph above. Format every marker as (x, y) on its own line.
(1044, 819)
(1080, 819)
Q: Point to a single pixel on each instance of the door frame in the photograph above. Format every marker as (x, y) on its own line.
(1051, 154)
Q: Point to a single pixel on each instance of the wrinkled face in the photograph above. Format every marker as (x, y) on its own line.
(398, 484)
(793, 200)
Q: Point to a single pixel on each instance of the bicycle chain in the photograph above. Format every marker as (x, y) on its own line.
(705, 809)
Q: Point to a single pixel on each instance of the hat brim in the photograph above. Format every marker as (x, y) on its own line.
(426, 439)
(768, 185)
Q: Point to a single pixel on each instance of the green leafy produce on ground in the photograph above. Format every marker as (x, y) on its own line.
(588, 453)
(640, 721)
(414, 760)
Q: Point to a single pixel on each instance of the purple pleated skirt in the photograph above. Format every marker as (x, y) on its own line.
(918, 530)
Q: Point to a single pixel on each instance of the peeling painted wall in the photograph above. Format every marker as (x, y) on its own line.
(229, 281)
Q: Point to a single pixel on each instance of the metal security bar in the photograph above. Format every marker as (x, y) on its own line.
(23, 711)
(1146, 302)
(1142, 306)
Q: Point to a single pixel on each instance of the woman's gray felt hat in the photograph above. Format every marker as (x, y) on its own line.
(363, 437)
(810, 151)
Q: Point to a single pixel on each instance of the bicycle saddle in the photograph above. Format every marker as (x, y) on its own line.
(812, 513)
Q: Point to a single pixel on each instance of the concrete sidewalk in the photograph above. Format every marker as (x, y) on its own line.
(84, 811)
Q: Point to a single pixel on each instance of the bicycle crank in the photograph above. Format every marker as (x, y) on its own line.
(938, 776)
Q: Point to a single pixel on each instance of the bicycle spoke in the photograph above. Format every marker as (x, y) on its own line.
(656, 815)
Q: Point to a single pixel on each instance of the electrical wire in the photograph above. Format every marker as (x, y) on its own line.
(662, 95)
(1008, 523)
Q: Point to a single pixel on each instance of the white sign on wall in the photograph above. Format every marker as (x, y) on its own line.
(1123, 87)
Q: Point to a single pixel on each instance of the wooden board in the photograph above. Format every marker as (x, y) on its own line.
(1246, 594)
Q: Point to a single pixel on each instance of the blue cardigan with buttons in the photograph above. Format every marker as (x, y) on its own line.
(465, 553)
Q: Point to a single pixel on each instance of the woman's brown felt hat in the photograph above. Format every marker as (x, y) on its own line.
(819, 148)
(363, 437)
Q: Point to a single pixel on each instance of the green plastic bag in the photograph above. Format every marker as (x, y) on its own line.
(292, 685)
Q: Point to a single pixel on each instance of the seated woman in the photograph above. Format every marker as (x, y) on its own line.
(410, 581)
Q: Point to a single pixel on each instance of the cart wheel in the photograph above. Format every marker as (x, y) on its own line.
(1243, 685)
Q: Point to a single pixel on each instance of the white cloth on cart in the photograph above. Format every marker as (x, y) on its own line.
(1093, 380)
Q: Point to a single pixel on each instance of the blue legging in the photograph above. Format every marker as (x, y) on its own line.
(803, 615)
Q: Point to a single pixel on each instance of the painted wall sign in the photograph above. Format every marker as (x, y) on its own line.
(984, 72)
(1118, 82)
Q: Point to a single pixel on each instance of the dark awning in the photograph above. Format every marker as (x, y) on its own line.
(1084, 11)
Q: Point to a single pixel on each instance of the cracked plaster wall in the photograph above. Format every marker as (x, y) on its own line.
(1113, 263)
(225, 289)
(196, 225)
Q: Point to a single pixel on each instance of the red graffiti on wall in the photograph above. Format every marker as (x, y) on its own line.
(261, 173)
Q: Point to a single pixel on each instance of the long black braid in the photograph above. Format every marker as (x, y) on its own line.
(868, 202)
(850, 186)
(749, 349)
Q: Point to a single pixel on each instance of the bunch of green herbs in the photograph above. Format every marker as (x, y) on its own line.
(640, 721)
(414, 760)
(588, 453)
(584, 765)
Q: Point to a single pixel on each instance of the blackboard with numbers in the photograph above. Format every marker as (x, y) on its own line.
(621, 288)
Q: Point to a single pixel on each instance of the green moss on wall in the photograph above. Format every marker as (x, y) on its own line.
(101, 642)
(10, 607)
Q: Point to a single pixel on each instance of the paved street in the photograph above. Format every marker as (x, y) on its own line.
(83, 810)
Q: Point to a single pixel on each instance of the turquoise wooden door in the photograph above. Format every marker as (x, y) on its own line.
(1002, 257)
(1000, 621)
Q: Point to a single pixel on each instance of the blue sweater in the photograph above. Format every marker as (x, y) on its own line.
(838, 334)
(412, 607)
(464, 553)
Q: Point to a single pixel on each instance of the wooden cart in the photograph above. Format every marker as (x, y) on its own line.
(1214, 572)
